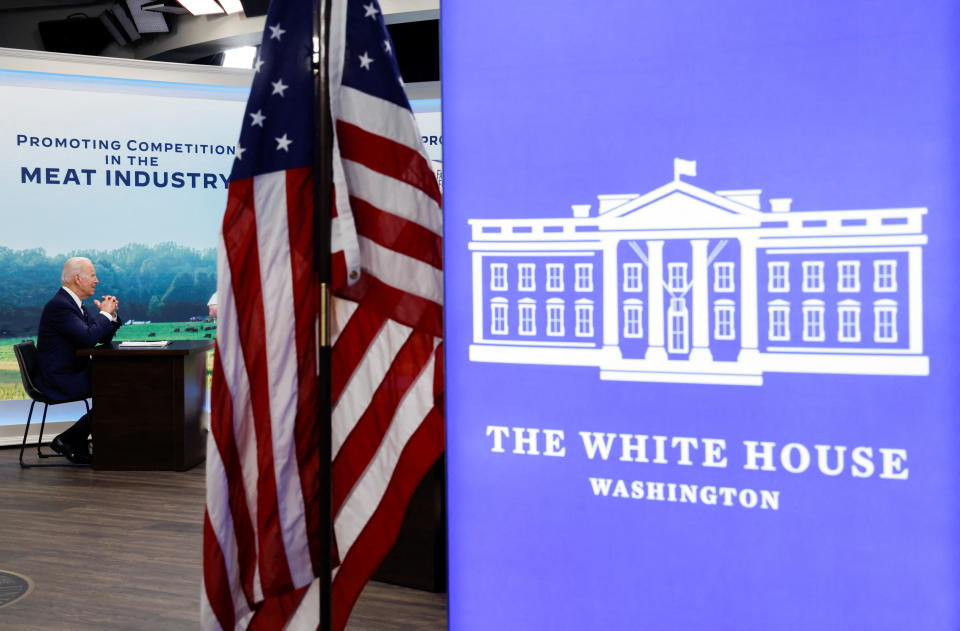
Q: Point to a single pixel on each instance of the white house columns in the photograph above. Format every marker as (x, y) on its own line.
(915, 275)
(749, 314)
(611, 316)
(655, 349)
(701, 300)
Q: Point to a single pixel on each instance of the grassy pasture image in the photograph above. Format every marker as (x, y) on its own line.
(11, 388)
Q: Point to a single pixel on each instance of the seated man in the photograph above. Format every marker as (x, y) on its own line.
(65, 326)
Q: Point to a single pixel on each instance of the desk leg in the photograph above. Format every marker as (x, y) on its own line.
(187, 426)
(418, 559)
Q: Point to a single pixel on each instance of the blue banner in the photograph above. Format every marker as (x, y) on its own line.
(700, 262)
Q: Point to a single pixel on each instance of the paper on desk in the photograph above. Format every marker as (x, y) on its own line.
(142, 344)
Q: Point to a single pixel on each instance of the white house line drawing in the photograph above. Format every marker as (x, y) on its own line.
(687, 285)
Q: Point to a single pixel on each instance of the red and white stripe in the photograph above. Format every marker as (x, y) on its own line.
(263, 463)
(344, 248)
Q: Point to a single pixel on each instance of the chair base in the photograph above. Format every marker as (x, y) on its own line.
(40, 465)
(40, 453)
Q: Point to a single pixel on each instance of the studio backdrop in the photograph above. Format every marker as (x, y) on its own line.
(125, 162)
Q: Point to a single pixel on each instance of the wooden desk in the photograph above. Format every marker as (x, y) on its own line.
(418, 559)
(147, 404)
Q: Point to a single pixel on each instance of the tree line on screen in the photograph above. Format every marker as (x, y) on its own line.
(161, 283)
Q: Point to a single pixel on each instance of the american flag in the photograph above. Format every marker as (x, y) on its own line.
(262, 530)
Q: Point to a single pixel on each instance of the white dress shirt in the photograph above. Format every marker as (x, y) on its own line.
(79, 302)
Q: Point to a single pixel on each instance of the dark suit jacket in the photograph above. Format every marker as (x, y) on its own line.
(63, 329)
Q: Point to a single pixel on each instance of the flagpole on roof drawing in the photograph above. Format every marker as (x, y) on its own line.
(684, 167)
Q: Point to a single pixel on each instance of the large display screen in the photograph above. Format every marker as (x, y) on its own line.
(131, 172)
(128, 167)
(701, 262)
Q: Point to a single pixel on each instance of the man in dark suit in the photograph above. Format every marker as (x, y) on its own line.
(65, 326)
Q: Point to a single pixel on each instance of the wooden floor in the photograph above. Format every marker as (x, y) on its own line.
(120, 551)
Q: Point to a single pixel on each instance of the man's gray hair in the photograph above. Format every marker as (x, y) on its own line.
(73, 266)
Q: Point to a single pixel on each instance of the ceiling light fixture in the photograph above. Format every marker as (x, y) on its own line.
(242, 57)
(201, 7)
(231, 6)
(165, 6)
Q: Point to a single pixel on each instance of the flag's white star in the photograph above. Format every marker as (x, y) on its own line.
(371, 10)
(283, 142)
(257, 64)
(278, 87)
(240, 151)
(387, 47)
(276, 32)
(258, 118)
(365, 61)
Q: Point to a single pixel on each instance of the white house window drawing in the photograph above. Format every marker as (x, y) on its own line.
(678, 276)
(848, 317)
(632, 318)
(583, 310)
(813, 276)
(813, 321)
(555, 308)
(885, 320)
(678, 318)
(778, 313)
(498, 277)
(633, 277)
(681, 284)
(778, 273)
(528, 316)
(723, 277)
(554, 276)
(723, 311)
(885, 276)
(498, 316)
(584, 275)
(527, 282)
(848, 276)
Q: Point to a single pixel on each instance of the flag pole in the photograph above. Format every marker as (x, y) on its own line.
(323, 213)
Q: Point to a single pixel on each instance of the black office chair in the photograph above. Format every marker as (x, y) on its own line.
(26, 354)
